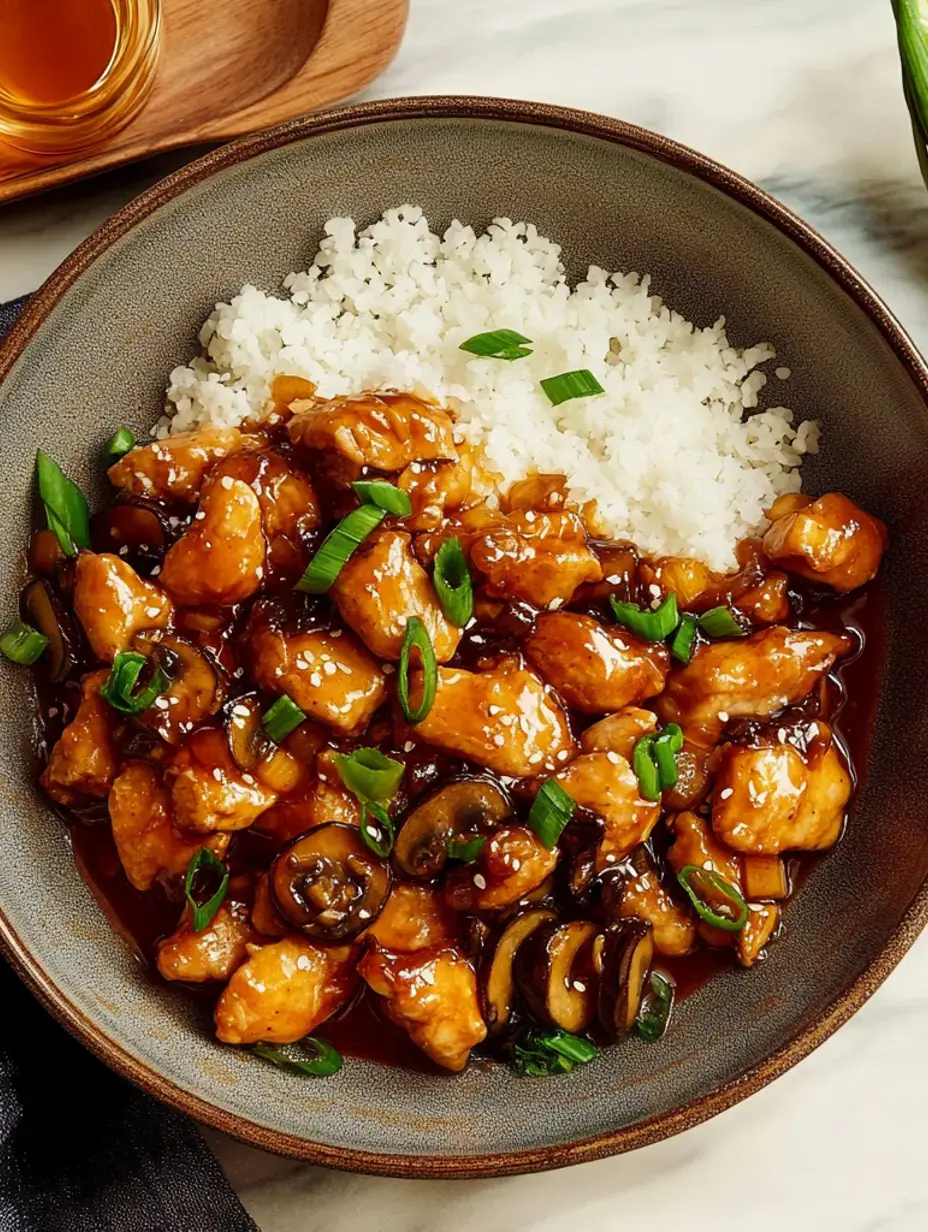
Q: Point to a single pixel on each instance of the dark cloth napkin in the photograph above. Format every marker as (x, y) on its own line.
(81, 1150)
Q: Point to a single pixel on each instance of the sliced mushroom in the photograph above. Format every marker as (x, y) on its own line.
(46, 611)
(196, 689)
(458, 811)
(554, 972)
(328, 884)
(134, 530)
(622, 957)
(247, 742)
(499, 985)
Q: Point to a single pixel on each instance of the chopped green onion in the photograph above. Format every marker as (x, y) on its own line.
(497, 344)
(65, 506)
(120, 442)
(551, 810)
(664, 750)
(579, 384)
(684, 639)
(281, 719)
(716, 900)
(379, 838)
(654, 1014)
(417, 635)
(646, 771)
(311, 1057)
(336, 549)
(369, 774)
(720, 622)
(384, 496)
(21, 643)
(652, 626)
(912, 33)
(540, 1054)
(118, 688)
(452, 583)
(466, 850)
(205, 862)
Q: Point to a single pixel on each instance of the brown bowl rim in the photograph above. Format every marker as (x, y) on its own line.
(654, 1129)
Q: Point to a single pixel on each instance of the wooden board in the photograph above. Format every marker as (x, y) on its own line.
(230, 68)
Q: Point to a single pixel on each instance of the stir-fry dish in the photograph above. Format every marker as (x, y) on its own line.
(344, 734)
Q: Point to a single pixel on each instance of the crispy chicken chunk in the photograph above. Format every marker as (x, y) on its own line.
(148, 844)
(695, 843)
(505, 719)
(436, 489)
(770, 797)
(380, 587)
(512, 864)
(539, 557)
(414, 918)
(752, 677)
(682, 576)
(84, 760)
(212, 954)
(594, 668)
(174, 469)
(284, 991)
(324, 799)
(829, 540)
(619, 732)
(433, 996)
(606, 784)
(208, 791)
(767, 603)
(113, 603)
(644, 898)
(386, 431)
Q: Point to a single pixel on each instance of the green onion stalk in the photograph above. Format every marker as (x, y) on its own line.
(912, 32)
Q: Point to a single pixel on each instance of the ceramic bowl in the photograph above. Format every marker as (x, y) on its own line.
(94, 348)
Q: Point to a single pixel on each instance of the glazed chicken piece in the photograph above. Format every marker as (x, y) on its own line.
(385, 431)
(762, 924)
(414, 918)
(695, 843)
(645, 898)
(504, 719)
(437, 489)
(682, 576)
(143, 830)
(619, 732)
(771, 797)
(539, 557)
(512, 864)
(212, 954)
(173, 469)
(768, 602)
(265, 917)
(829, 540)
(761, 595)
(594, 668)
(329, 674)
(221, 558)
(540, 492)
(752, 677)
(605, 783)
(433, 996)
(380, 587)
(324, 799)
(208, 791)
(284, 991)
(84, 760)
(113, 603)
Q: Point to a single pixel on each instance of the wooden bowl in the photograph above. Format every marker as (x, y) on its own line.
(94, 348)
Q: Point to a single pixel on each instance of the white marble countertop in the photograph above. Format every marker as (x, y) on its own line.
(802, 96)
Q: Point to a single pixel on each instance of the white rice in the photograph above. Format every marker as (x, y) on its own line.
(668, 453)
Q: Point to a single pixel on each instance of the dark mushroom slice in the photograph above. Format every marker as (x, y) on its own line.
(196, 690)
(43, 609)
(499, 983)
(133, 529)
(328, 884)
(248, 742)
(622, 957)
(459, 811)
(554, 973)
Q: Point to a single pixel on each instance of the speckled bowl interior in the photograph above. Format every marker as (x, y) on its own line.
(95, 350)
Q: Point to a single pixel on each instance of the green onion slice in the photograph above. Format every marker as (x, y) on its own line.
(282, 718)
(664, 750)
(21, 643)
(452, 583)
(310, 1057)
(716, 900)
(551, 810)
(383, 496)
(721, 622)
(417, 635)
(651, 626)
(466, 850)
(579, 384)
(378, 837)
(654, 1014)
(497, 344)
(540, 1054)
(369, 774)
(684, 640)
(65, 506)
(205, 863)
(646, 771)
(336, 549)
(120, 443)
(119, 688)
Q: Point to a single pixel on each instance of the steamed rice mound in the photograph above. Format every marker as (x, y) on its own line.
(669, 453)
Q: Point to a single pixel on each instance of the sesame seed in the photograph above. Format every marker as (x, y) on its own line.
(563, 755)
(726, 793)
(530, 516)
(217, 774)
(409, 746)
(388, 669)
(480, 881)
(654, 590)
(580, 986)
(199, 515)
(364, 914)
(247, 778)
(161, 703)
(52, 711)
(491, 710)
(723, 716)
(499, 740)
(227, 482)
(613, 757)
(516, 864)
(153, 612)
(241, 712)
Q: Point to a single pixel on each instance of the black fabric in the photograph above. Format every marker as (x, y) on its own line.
(81, 1150)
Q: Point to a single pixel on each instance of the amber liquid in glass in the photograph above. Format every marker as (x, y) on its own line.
(54, 50)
